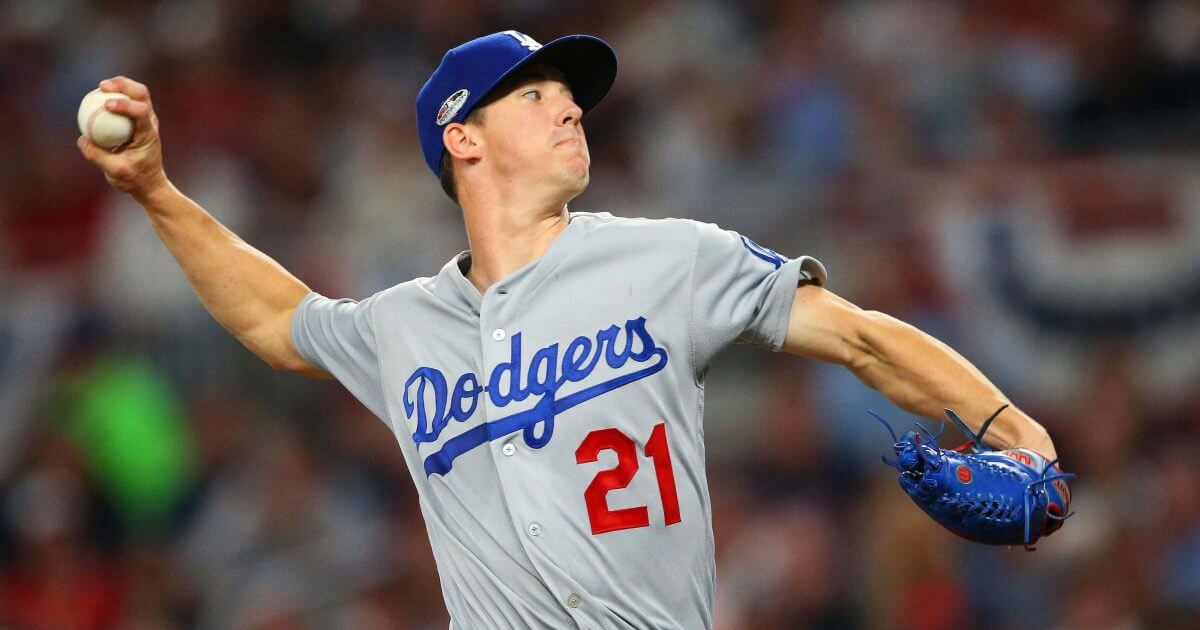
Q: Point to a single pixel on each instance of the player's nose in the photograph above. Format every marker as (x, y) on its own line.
(570, 114)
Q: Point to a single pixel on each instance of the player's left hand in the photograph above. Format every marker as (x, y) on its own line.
(1005, 497)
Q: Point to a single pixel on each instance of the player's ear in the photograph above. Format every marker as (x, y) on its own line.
(461, 142)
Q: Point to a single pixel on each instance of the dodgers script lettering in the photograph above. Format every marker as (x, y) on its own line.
(432, 403)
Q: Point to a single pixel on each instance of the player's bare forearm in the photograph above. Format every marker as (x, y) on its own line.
(923, 375)
(246, 291)
(913, 369)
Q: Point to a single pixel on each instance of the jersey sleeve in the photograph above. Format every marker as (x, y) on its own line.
(338, 336)
(742, 292)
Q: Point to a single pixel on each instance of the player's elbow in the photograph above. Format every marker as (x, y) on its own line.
(293, 363)
(860, 347)
(283, 357)
(869, 351)
(829, 328)
(283, 363)
(274, 355)
(272, 343)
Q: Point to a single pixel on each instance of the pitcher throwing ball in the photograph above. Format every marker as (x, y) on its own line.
(547, 386)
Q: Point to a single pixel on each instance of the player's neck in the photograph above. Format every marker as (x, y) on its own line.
(503, 242)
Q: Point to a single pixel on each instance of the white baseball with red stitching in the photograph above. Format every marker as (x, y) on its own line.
(102, 127)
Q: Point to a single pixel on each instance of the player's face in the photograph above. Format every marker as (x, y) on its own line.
(535, 136)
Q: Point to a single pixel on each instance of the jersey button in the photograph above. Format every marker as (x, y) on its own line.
(498, 334)
(573, 600)
(508, 449)
(534, 529)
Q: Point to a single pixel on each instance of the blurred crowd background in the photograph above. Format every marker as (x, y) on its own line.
(1019, 178)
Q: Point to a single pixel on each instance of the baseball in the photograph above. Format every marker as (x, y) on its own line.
(102, 127)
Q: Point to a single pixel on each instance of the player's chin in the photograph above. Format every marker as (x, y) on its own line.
(579, 180)
(577, 171)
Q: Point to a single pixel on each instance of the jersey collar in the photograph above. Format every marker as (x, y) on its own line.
(454, 287)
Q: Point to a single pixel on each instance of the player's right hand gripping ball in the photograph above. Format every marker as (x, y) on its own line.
(104, 128)
(987, 496)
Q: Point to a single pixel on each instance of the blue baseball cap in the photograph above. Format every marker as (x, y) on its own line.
(468, 73)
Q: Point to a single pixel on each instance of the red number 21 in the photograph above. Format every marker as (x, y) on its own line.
(607, 520)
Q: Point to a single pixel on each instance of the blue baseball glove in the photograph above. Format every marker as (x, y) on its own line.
(994, 497)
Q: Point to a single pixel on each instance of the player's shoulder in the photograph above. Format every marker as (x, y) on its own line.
(410, 291)
(660, 230)
(401, 292)
(680, 239)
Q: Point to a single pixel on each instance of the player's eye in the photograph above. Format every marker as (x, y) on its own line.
(537, 96)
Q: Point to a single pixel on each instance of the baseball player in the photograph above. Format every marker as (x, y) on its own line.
(547, 386)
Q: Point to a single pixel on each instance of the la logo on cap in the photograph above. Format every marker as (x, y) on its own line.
(524, 40)
(451, 105)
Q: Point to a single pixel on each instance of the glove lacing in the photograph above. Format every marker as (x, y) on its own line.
(992, 508)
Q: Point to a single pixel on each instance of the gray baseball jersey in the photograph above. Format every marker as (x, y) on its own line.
(553, 425)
